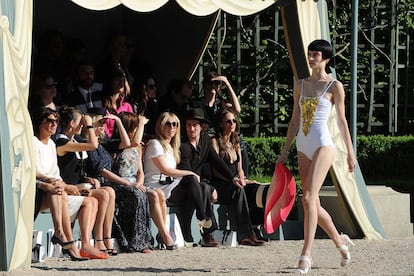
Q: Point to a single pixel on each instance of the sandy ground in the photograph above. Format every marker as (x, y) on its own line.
(384, 257)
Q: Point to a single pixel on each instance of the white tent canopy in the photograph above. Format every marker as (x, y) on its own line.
(195, 7)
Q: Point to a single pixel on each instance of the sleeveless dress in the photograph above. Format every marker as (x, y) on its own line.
(132, 220)
(313, 131)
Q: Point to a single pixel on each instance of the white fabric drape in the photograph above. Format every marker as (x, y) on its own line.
(18, 171)
(196, 7)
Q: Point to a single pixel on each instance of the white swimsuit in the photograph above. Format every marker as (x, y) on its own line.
(313, 132)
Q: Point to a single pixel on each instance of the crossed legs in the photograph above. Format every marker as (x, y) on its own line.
(58, 205)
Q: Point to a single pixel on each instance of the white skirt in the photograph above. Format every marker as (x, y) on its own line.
(74, 204)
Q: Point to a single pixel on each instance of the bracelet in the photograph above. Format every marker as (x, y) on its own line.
(89, 126)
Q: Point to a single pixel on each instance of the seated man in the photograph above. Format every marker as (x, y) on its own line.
(194, 154)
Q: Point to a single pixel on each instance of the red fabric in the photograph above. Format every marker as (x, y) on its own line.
(280, 198)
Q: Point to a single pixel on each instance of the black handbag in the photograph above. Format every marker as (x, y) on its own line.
(165, 180)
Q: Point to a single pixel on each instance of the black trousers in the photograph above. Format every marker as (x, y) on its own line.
(228, 193)
(193, 195)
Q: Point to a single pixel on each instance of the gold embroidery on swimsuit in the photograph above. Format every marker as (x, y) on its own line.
(308, 113)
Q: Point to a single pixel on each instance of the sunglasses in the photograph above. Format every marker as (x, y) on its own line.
(230, 122)
(51, 121)
(171, 124)
(151, 86)
(102, 121)
(215, 82)
(50, 85)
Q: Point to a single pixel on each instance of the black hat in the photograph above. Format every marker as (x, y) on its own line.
(97, 111)
(196, 114)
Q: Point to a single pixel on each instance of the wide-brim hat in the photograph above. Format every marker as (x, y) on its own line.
(280, 198)
(196, 113)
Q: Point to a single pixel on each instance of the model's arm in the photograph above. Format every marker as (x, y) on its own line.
(339, 100)
(140, 172)
(160, 163)
(137, 139)
(293, 124)
(91, 144)
(114, 178)
(234, 100)
(123, 135)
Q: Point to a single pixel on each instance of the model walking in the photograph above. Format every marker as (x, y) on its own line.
(314, 97)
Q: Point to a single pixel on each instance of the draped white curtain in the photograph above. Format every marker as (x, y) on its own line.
(196, 7)
(17, 166)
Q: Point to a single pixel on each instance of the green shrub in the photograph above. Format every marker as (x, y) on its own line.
(386, 160)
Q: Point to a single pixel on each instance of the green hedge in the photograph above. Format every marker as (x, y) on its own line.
(387, 160)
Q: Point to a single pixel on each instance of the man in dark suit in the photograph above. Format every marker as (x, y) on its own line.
(194, 154)
(88, 93)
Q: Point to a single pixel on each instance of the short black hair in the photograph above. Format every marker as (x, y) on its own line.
(39, 115)
(323, 46)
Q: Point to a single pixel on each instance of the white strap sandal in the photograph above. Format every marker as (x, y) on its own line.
(307, 268)
(344, 248)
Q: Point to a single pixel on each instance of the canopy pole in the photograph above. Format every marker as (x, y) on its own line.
(354, 56)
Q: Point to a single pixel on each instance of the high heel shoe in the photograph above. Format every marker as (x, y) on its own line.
(205, 223)
(111, 251)
(307, 268)
(344, 248)
(72, 257)
(65, 245)
(162, 245)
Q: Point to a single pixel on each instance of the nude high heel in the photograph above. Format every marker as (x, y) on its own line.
(344, 248)
(205, 223)
(307, 268)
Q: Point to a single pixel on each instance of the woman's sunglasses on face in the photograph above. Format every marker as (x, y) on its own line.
(50, 85)
(51, 121)
(102, 121)
(214, 83)
(171, 124)
(231, 121)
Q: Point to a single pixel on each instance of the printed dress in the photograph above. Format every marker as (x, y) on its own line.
(132, 220)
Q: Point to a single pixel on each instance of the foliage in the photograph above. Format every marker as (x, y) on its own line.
(262, 75)
(382, 159)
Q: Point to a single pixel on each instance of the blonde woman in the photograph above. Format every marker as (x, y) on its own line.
(161, 158)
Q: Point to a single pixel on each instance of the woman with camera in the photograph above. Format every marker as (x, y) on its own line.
(161, 158)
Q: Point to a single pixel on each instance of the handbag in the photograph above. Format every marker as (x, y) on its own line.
(165, 180)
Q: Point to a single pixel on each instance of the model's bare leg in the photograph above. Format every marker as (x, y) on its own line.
(157, 200)
(312, 174)
(54, 203)
(109, 217)
(103, 199)
(58, 205)
(86, 219)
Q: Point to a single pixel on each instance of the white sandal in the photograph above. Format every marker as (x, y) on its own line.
(345, 249)
(307, 268)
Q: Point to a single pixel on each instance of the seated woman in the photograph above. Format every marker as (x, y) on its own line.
(114, 102)
(160, 161)
(71, 150)
(135, 238)
(227, 145)
(128, 165)
(45, 121)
